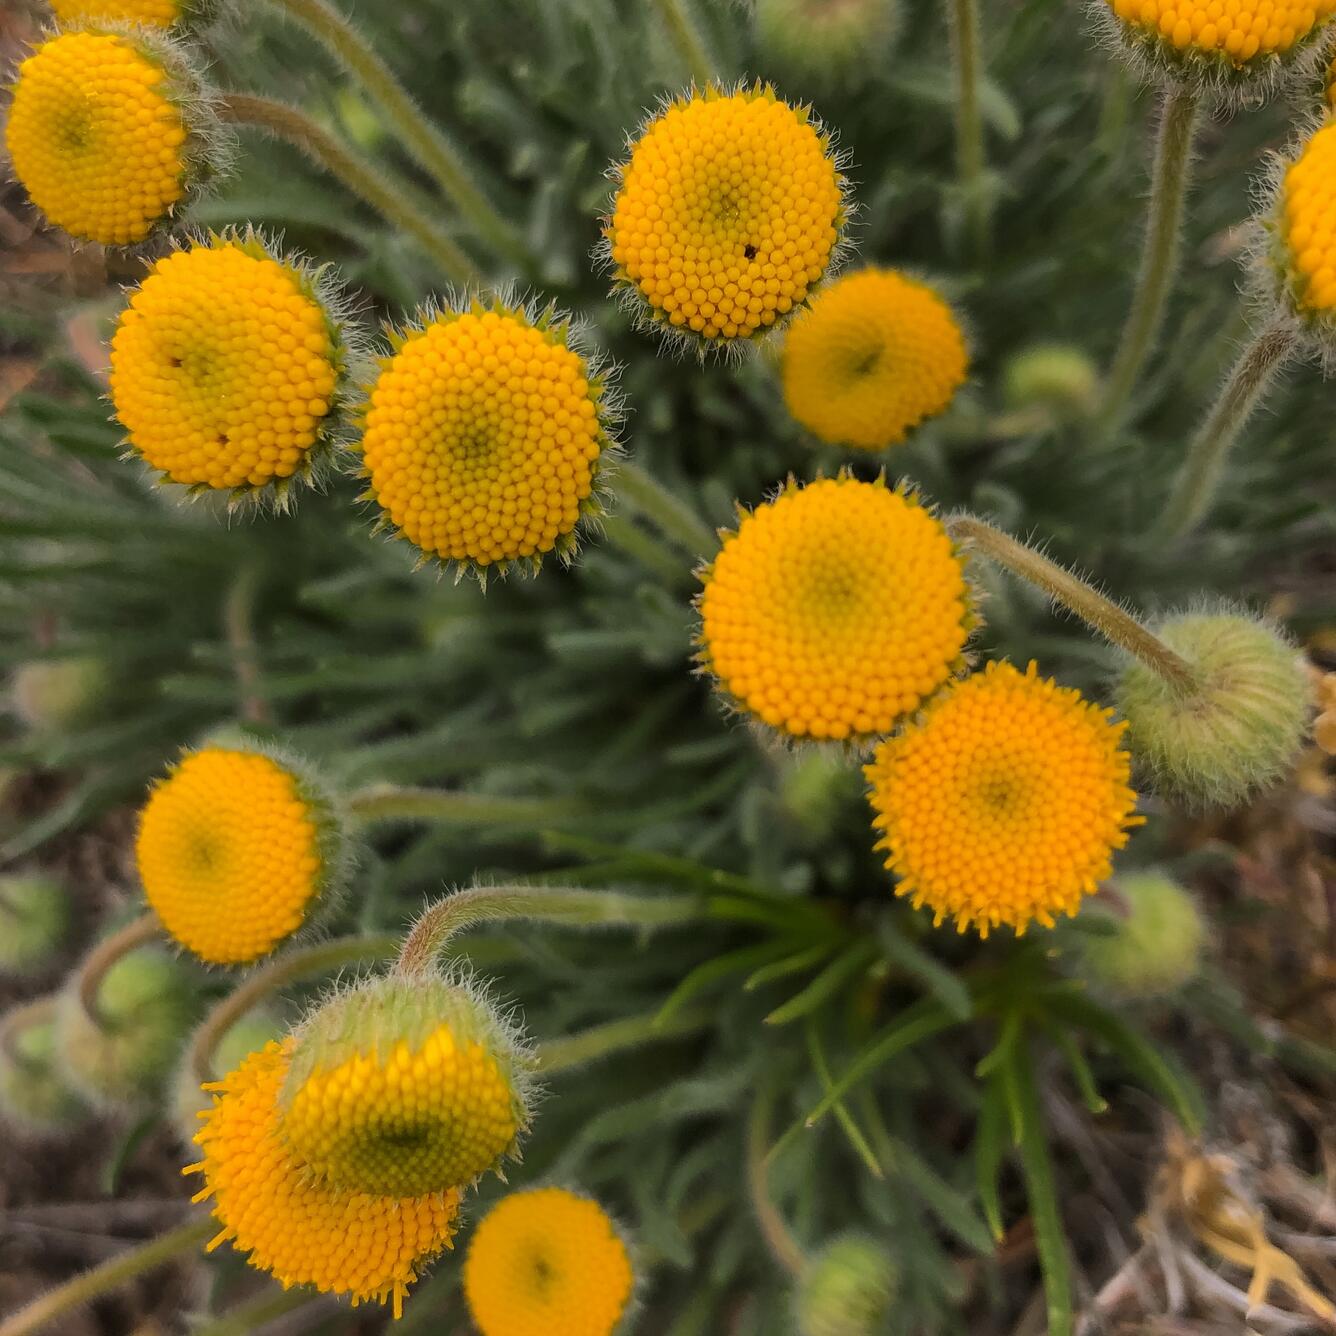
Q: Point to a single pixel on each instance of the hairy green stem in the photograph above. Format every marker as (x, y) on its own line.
(686, 37)
(1247, 383)
(665, 509)
(389, 198)
(249, 1317)
(446, 807)
(1159, 255)
(238, 617)
(576, 1050)
(88, 979)
(420, 136)
(548, 904)
(966, 61)
(264, 982)
(116, 1271)
(774, 1228)
(1064, 588)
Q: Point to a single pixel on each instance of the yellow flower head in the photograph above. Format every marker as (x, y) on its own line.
(835, 610)
(402, 1087)
(227, 368)
(235, 849)
(151, 13)
(485, 434)
(1306, 255)
(1004, 802)
(727, 213)
(292, 1225)
(875, 355)
(547, 1262)
(104, 133)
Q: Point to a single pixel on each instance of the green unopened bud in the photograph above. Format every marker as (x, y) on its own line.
(1242, 726)
(829, 42)
(847, 1289)
(145, 1004)
(815, 787)
(51, 694)
(34, 922)
(250, 1034)
(34, 1094)
(1151, 939)
(1056, 377)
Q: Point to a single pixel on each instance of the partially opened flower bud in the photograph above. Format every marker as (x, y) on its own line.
(847, 1289)
(52, 694)
(249, 1035)
(34, 1094)
(1239, 729)
(1056, 377)
(237, 850)
(832, 43)
(110, 133)
(404, 1086)
(34, 922)
(547, 1261)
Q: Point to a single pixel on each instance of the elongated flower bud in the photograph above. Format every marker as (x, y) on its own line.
(51, 694)
(847, 1289)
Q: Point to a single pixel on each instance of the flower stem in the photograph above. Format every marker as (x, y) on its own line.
(1245, 386)
(116, 1271)
(1159, 255)
(258, 1312)
(88, 979)
(774, 1228)
(238, 626)
(390, 199)
(264, 982)
(576, 1050)
(445, 807)
(966, 60)
(425, 141)
(549, 904)
(686, 37)
(646, 494)
(1064, 588)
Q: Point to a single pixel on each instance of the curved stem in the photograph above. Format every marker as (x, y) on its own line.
(389, 199)
(576, 1050)
(447, 807)
(1159, 255)
(264, 982)
(424, 140)
(105, 954)
(688, 41)
(548, 904)
(1098, 612)
(779, 1238)
(966, 61)
(115, 1272)
(665, 509)
(1244, 388)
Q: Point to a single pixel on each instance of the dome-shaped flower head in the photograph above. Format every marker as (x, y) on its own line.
(547, 1262)
(404, 1086)
(110, 133)
(290, 1223)
(149, 13)
(727, 213)
(1004, 802)
(485, 435)
(835, 610)
(1303, 250)
(875, 354)
(1221, 45)
(227, 368)
(236, 850)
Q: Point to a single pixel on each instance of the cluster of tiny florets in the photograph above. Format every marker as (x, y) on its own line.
(1307, 200)
(95, 138)
(875, 354)
(1239, 30)
(727, 213)
(151, 13)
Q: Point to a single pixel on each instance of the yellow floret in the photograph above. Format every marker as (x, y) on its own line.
(1240, 31)
(94, 138)
(224, 368)
(484, 437)
(874, 355)
(547, 1262)
(229, 851)
(727, 213)
(292, 1225)
(1308, 207)
(1004, 803)
(151, 13)
(835, 610)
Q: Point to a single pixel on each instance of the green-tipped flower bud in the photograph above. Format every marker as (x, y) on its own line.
(1152, 938)
(1239, 730)
(33, 1092)
(829, 42)
(34, 922)
(1056, 377)
(847, 1289)
(249, 1035)
(403, 1086)
(51, 694)
(145, 1004)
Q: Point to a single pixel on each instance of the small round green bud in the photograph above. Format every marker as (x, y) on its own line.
(34, 922)
(829, 42)
(1242, 726)
(1152, 938)
(847, 1289)
(145, 1005)
(815, 787)
(51, 694)
(250, 1034)
(1056, 377)
(33, 1093)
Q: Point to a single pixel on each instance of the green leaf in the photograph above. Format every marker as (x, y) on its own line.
(720, 967)
(794, 964)
(989, 1143)
(1080, 1069)
(919, 964)
(841, 970)
(846, 1120)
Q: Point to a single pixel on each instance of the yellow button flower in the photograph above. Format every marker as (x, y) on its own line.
(234, 851)
(726, 214)
(402, 1087)
(485, 433)
(1005, 802)
(225, 368)
(875, 354)
(301, 1230)
(97, 138)
(547, 1262)
(1307, 207)
(151, 13)
(835, 610)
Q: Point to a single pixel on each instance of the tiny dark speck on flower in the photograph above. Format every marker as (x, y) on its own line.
(749, 251)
